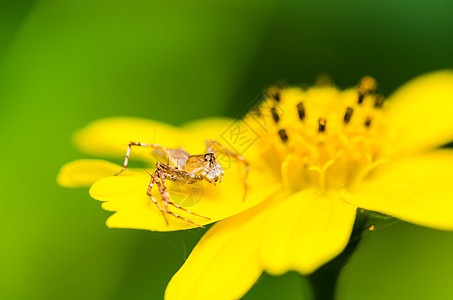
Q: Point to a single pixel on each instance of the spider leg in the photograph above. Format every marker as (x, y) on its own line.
(128, 152)
(148, 192)
(186, 210)
(224, 149)
(181, 176)
(166, 198)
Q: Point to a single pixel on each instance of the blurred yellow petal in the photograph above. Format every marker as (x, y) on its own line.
(110, 137)
(225, 263)
(127, 196)
(84, 172)
(420, 113)
(305, 231)
(231, 133)
(197, 132)
(417, 190)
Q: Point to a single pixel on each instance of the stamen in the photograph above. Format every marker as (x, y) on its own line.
(275, 115)
(379, 101)
(283, 135)
(322, 172)
(257, 111)
(301, 111)
(348, 115)
(341, 155)
(322, 125)
(367, 84)
(274, 92)
(371, 166)
(324, 80)
(361, 97)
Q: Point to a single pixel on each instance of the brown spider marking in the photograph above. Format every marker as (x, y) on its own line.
(184, 168)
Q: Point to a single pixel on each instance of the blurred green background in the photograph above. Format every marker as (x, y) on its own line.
(66, 63)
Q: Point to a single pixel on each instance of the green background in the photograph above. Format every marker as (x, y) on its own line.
(66, 63)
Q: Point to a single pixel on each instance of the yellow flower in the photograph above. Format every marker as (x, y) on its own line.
(315, 156)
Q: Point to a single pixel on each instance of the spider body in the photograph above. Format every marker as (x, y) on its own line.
(184, 168)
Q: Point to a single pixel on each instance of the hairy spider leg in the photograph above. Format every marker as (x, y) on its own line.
(148, 192)
(158, 174)
(209, 148)
(128, 152)
(176, 174)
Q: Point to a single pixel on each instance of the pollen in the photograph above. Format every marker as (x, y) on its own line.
(321, 137)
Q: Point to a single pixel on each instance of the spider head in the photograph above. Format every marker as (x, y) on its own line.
(205, 165)
(212, 169)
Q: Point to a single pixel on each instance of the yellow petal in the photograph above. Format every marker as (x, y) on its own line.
(83, 172)
(199, 131)
(134, 209)
(420, 113)
(305, 231)
(110, 137)
(225, 263)
(417, 190)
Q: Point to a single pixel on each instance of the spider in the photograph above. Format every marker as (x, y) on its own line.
(184, 168)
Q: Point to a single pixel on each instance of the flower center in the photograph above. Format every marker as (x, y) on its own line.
(320, 137)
